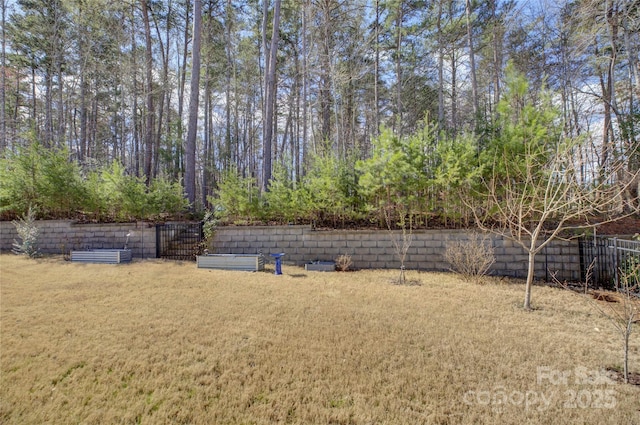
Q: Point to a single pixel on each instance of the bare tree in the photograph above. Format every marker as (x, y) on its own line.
(401, 242)
(535, 202)
(623, 311)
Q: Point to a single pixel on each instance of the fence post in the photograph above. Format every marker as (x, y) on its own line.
(158, 241)
(615, 262)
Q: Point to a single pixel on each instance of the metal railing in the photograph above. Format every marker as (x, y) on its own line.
(604, 261)
(179, 241)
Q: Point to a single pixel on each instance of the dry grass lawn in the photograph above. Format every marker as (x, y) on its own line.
(156, 342)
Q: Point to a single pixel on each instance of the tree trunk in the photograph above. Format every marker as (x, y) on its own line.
(134, 108)
(376, 74)
(270, 96)
(60, 125)
(325, 74)
(190, 146)
(626, 351)
(305, 85)
(226, 155)
(83, 110)
(530, 276)
(3, 81)
(207, 139)
(472, 65)
(398, 120)
(454, 93)
(164, 88)
(440, 67)
(48, 111)
(182, 76)
(150, 113)
(497, 55)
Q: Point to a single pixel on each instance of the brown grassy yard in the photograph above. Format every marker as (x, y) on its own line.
(157, 342)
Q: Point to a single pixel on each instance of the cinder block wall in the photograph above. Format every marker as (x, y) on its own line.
(302, 244)
(375, 249)
(63, 236)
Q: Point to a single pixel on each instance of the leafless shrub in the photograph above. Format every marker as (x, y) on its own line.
(471, 258)
(401, 242)
(28, 235)
(344, 262)
(621, 308)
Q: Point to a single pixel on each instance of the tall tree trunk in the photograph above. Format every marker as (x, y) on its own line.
(305, 85)
(48, 108)
(3, 80)
(168, 96)
(398, 120)
(164, 88)
(207, 142)
(472, 65)
(190, 146)
(93, 127)
(440, 67)
(60, 125)
(376, 74)
(134, 112)
(182, 77)
(150, 112)
(270, 96)
(325, 73)
(34, 99)
(632, 53)
(226, 155)
(497, 54)
(606, 81)
(83, 106)
(454, 92)
(295, 136)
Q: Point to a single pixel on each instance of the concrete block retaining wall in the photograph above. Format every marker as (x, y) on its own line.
(375, 249)
(302, 244)
(63, 236)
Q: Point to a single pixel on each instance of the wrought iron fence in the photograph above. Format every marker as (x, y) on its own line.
(179, 241)
(604, 261)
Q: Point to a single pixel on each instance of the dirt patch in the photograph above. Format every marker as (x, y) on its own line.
(618, 376)
(625, 226)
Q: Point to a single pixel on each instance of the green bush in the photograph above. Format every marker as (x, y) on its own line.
(396, 177)
(53, 185)
(166, 197)
(281, 200)
(42, 178)
(330, 190)
(116, 195)
(238, 198)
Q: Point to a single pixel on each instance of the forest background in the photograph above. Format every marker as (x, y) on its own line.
(323, 111)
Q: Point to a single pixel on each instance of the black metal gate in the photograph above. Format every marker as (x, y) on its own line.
(179, 241)
(604, 260)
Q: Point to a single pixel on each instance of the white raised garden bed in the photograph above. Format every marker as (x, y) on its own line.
(244, 262)
(321, 266)
(102, 256)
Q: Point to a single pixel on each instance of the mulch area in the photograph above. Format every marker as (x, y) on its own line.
(625, 226)
(618, 376)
